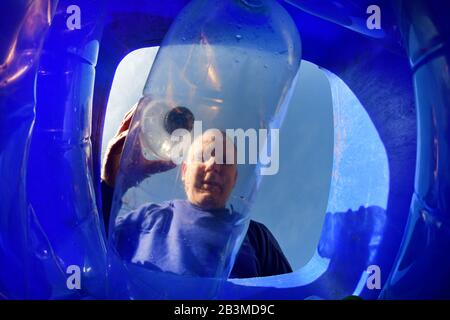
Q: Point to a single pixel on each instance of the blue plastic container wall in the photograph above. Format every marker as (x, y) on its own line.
(203, 135)
(23, 32)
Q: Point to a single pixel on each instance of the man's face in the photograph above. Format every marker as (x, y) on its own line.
(207, 183)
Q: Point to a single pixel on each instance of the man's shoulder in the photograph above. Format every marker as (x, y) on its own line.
(255, 226)
(268, 251)
(256, 233)
(261, 237)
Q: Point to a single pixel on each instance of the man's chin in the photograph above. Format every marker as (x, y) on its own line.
(209, 201)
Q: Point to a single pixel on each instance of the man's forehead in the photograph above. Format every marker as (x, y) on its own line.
(212, 139)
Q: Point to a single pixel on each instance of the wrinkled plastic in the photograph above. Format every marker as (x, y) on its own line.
(427, 236)
(50, 225)
(22, 273)
(59, 180)
(57, 226)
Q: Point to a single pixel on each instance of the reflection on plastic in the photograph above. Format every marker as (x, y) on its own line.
(24, 251)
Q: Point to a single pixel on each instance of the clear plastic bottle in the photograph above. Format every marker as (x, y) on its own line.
(223, 65)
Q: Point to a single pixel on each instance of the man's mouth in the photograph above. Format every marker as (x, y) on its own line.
(211, 186)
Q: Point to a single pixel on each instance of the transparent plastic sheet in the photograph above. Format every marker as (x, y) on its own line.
(182, 201)
(59, 179)
(22, 273)
(41, 238)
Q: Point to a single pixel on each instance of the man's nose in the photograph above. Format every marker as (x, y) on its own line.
(212, 165)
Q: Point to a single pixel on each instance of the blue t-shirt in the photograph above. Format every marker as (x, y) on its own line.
(179, 237)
